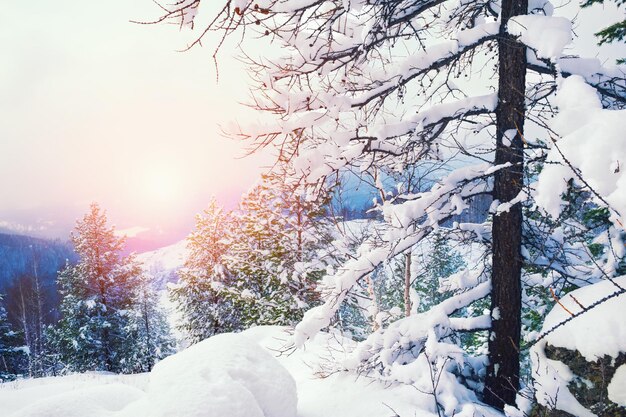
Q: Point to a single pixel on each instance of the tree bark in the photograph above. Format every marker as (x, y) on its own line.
(407, 284)
(502, 380)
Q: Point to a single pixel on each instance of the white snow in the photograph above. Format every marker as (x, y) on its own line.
(592, 140)
(164, 263)
(547, 35)
(226, 375)
(617, 386)
(599, 331)
(99, 400)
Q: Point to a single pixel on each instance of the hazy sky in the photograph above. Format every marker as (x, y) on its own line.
(95, 108)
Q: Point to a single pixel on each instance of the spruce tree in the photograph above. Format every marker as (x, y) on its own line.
(273, 253)
(199, 295)
(12, 355)
(153, 340)
(94, 332)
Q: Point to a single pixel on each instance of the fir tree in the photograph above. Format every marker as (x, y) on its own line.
(94, 332)
(199, 295)
(12, 358)
(150, 328)
(273, 254)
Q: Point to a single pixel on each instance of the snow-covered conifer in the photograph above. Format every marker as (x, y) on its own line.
(97, 303)
(273, 255)
(12, 355)
(150, 328)
(199, 293)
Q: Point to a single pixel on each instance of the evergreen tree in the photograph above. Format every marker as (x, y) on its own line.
(199, 294)
(273, 254)
(153, 340)
(12, 354)
(94, 332)
(441, 261)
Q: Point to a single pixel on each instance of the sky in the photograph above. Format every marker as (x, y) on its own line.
(96, 108)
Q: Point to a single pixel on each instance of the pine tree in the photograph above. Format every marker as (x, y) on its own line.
(273, 253)
(97, 303)
(199, 294)
(149, 326)
(441, 262)
(12, 354)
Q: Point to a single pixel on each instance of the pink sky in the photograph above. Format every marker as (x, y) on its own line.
(95, 108)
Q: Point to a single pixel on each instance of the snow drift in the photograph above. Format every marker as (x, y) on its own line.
(226, 375)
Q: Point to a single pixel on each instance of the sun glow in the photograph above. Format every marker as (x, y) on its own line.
(161, 185)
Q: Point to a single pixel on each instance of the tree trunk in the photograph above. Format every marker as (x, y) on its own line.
(407, 284)
(28, 341)
(375, 310)
(40, 326)
(502, 381)
(146, 321)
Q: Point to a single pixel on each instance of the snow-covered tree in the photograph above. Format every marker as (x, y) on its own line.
(149, 326)
(273, 254)
(12, 354)
(94, 332)
(378, 86)
(199, 294)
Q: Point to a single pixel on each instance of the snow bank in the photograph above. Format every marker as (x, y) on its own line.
(598, 332)
(103, 400)
(226, 375)
(324, 389)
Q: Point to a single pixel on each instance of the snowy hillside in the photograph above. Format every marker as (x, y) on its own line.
(164, 263)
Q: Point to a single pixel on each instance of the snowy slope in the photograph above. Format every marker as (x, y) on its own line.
(164, 263)
(181, 384)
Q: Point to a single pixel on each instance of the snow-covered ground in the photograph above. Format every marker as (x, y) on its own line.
(225, 376)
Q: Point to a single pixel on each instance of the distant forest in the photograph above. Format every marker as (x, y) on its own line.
(28, 273)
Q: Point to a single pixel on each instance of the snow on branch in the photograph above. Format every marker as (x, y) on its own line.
(547, 35)
(430, 59)
(592, 144)
(339, 285)
(428, 209)
(397, 347)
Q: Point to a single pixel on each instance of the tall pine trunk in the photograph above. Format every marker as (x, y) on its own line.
(407, 284)
(502, 381)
